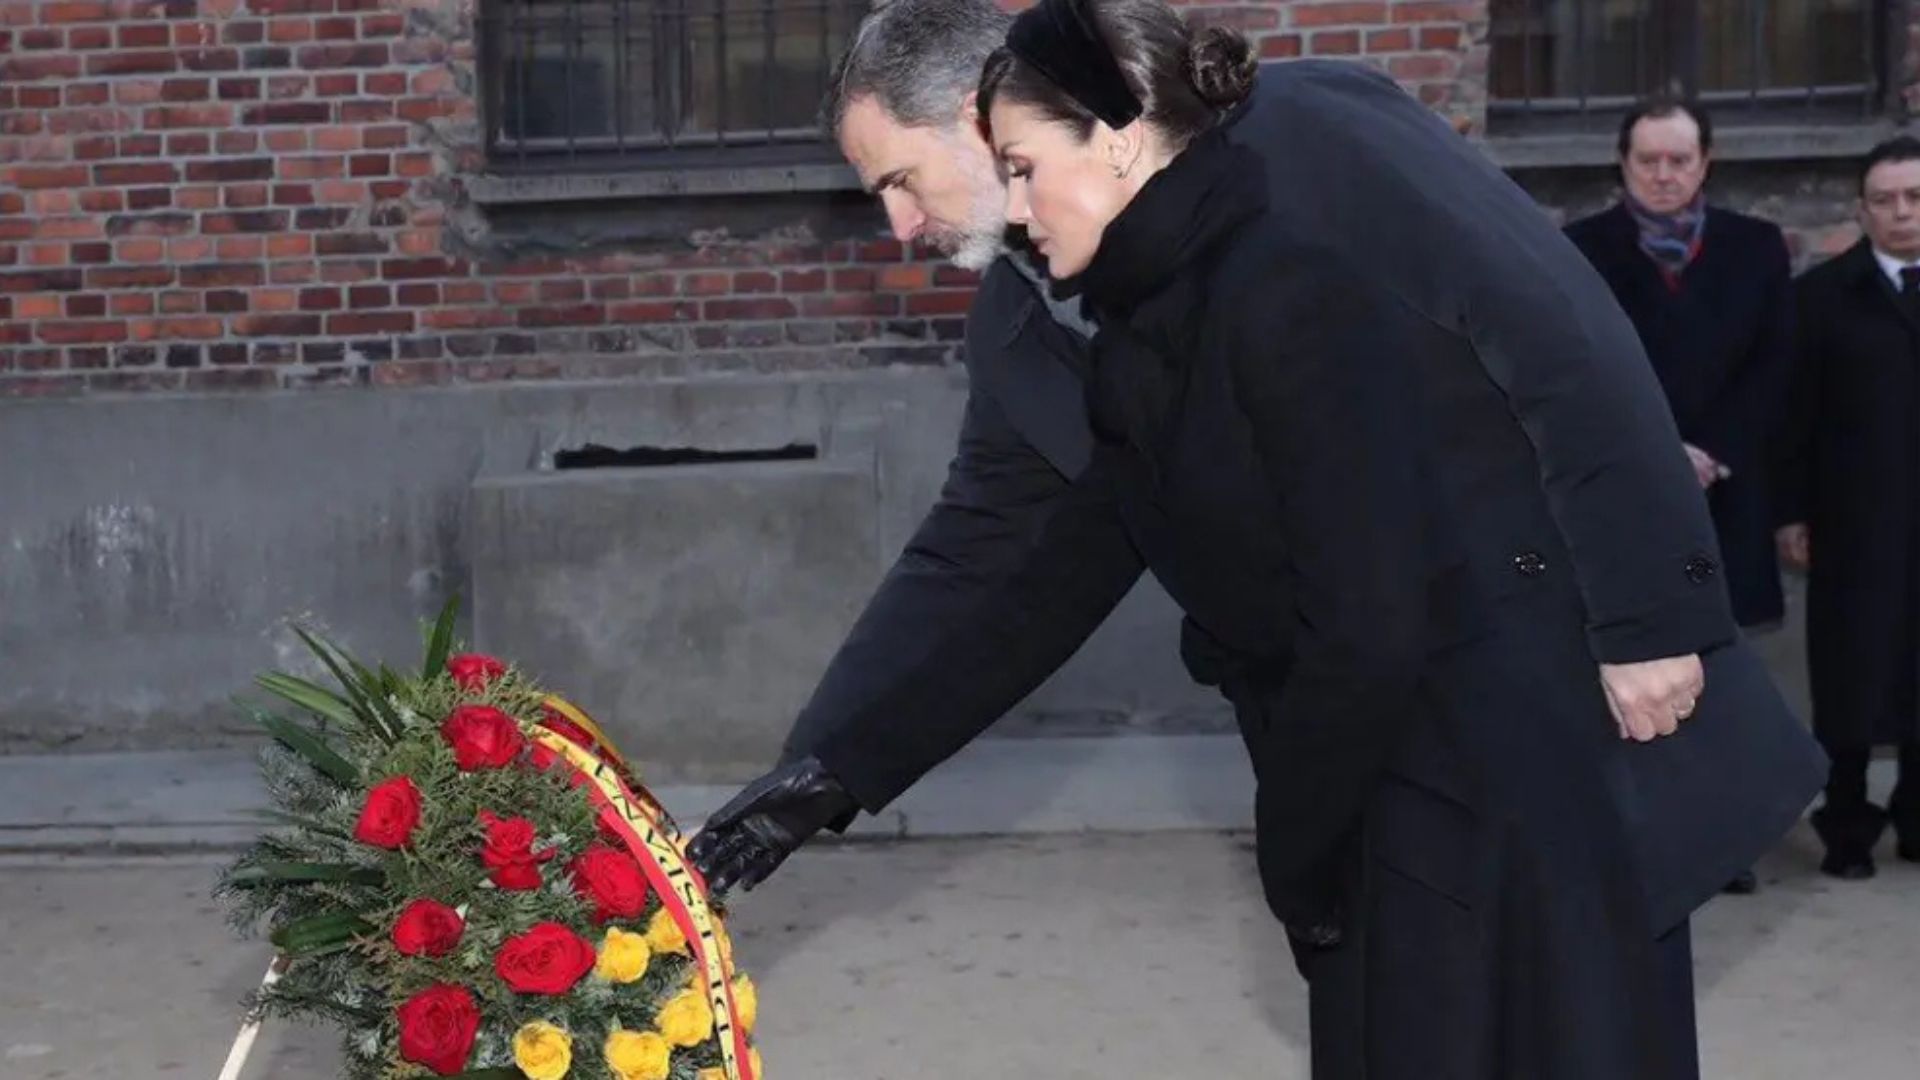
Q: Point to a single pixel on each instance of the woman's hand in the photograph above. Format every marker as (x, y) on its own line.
(1649, 699)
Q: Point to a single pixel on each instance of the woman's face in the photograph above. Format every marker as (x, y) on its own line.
(1062, 190)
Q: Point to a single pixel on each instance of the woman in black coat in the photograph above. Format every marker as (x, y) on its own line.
(1299, 436)
(1710, 293)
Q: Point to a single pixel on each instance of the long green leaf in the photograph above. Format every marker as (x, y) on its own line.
(325, 1004)
(441, 643)
(376, 696)
(371, 716)
(321, 932)
(315, 699)
(275, 871)
(310, 746)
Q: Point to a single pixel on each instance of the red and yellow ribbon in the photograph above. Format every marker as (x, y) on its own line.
(630, 812)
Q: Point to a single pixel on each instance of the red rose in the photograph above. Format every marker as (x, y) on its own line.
(437, 1026)
(427, 928)
(612, 881)
(547, 959)
(391, 812)
(509, 852)
(482, 737)
(473, 671)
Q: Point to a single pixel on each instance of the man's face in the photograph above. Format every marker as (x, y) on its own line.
(938, 185)
(1665, 166)
(1890, 208)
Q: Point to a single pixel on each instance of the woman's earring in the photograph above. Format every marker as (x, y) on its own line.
(1119, 172)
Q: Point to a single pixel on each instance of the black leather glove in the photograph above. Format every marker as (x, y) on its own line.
(748, 839)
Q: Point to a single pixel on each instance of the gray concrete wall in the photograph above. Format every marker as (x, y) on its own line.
(154, 549)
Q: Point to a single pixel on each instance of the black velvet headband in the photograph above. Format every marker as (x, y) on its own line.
(1058, 39)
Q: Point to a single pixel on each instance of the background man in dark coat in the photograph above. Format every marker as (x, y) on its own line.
(1710, 293)
(1850, 499)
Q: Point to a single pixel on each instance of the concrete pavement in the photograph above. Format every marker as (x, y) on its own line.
(1087, 956)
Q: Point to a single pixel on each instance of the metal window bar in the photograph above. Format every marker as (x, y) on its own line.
(571, 80)
(1679, 25)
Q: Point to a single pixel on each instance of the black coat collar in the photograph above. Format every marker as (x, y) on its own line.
(1182, 212)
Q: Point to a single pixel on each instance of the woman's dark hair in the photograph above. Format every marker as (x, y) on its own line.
(1184, 78)
(1660, 108)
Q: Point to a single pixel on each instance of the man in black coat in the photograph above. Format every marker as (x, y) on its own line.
(1850, 504)
(1628, 533)
(1710, 293)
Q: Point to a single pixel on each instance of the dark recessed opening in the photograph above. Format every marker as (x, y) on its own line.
(595, 456)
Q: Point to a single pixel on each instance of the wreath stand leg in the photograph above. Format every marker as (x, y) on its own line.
(243, 1042)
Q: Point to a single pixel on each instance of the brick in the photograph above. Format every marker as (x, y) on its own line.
(906, 278)
(277, 325)
(186, 90)
(92, 254)
(289, 246)
(384, 24)
(226, 301)
(131, 303)
(34, 68)
(91, 358)
(275, 300)
(196, 34)
(371, 322)
(1398, 39)
(47, 254)
(844, 305)
(1334, 43)
(366, 112)
(145, 36)
(210, 59)
(289, 87)
(177, 302)
(86, 305)
(80, 94)
(149, 198)
(238, 89)
(75, 228)
(86, 38)
(227, 355)
(232, 379)
(387, 84)
(103, 200)
(290, 31)
(365, 165)
(336, 29)
(131, 277)
(198, 198)
(289, 141)
(287, 112)
(222, 275)
(244, 32)
(251, 221)
(371, 55)
(1460, 11)
(350, 244)
(75, 11)
(79, 333)
(1420, 67)
(311, 168)
(33, 177)
(654, 311)
(350, 271)
(40, 281)
(132, 63)
(383, 138)
(141, 146)
(293, 195)
(320, 298)
(135, 356)
(190, 144)
(470, 318)
(1280, 47)
(41, 40)
(183, 356)
(37, 307)
(362, 297)
(168, 117)
(240, 247)
(236, 143)
(246, 196)
(418, 294)
(230, 170)
(1442, 38)
(266, 58)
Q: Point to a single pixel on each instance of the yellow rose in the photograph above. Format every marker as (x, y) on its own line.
(753, 1055)
(623, 956)
(746, 1001)
(543, 1051)
(715, 1073)
(686, 1020)
(663, 934)
(638, 1055)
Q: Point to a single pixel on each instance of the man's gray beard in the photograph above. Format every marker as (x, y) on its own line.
(977, 250)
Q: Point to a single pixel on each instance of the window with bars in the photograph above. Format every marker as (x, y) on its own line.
(582, 83)
(1577, 63)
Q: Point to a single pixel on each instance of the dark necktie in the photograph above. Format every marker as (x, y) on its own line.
(1910, 282)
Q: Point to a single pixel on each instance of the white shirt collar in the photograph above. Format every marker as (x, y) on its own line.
(1891, 266)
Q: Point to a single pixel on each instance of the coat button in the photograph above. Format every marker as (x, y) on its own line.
(1529, 564)
(1701, 569)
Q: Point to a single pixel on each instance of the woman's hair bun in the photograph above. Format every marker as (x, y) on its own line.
(1223, 66)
